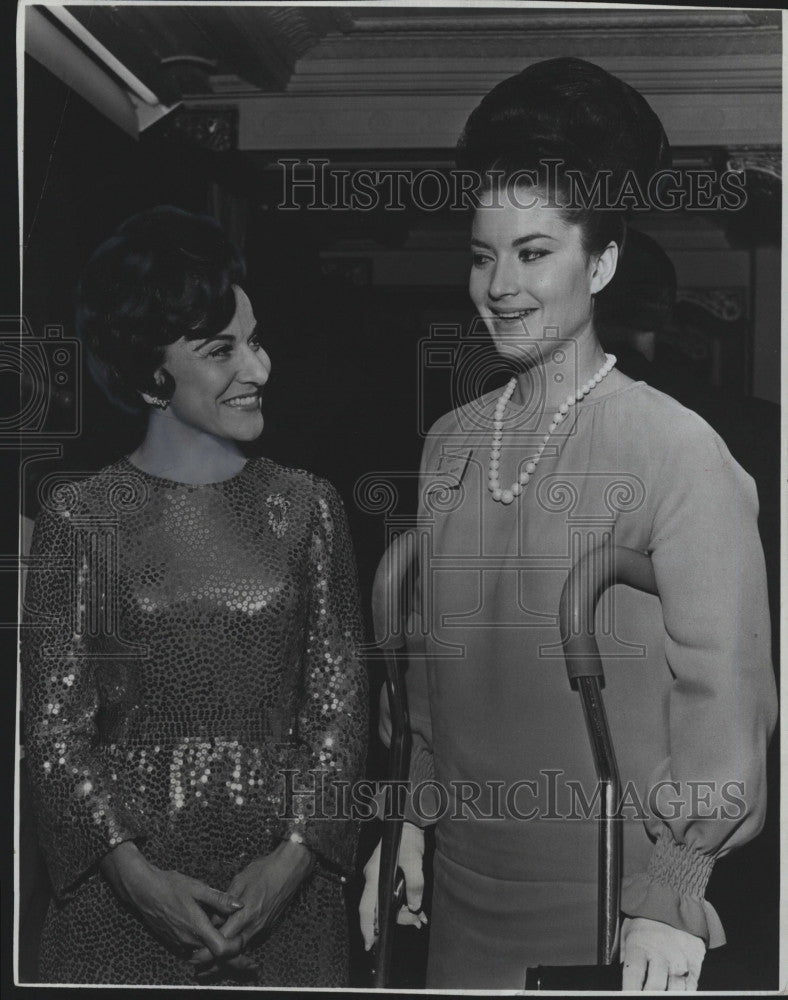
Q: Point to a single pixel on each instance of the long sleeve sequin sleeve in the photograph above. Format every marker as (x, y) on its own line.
(709, 566)
(79, 817)
(333, 706)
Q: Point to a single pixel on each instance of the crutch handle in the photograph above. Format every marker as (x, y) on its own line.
(592, 574)
(588, 579)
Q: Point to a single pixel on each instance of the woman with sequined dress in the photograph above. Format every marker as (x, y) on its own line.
(192, 682)
(514, 487)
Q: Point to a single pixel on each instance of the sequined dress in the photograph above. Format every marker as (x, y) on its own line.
(192, 681)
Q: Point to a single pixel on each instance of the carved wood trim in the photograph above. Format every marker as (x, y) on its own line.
(214, 128)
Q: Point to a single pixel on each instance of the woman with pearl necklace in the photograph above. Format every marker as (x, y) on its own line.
(571, 454)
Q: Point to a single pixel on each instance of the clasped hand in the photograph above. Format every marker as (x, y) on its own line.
(174, 905)
(264, 888)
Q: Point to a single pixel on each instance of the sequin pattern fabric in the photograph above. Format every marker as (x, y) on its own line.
(192, 680)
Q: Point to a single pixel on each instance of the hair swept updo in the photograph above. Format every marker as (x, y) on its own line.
(165, 274)
(573, 111)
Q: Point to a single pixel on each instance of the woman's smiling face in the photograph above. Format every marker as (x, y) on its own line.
(531, 278)
(218, 381)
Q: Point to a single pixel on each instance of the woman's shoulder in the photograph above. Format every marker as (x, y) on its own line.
(465, 418)
(668, 435)
(110, 489)
(290, 481)
(652, 414)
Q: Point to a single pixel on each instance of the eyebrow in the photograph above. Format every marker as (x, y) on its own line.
(515, 243)
(228, 338)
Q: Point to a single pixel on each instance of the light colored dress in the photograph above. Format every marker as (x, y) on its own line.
(690, 690)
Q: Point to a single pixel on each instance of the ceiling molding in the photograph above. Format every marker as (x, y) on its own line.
(568, 41)
(276, 122)
(570, 32)
(649, 74)
(384, 20)
(325, 78)
(409, 78)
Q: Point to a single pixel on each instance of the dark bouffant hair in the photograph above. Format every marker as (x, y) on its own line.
(574, 111)
(567, 100)
(165, 274)
(642, 293)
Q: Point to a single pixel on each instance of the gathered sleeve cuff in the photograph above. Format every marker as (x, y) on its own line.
(672, 891)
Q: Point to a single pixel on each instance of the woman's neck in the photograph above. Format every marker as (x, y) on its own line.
(185, 454)
(558, 368)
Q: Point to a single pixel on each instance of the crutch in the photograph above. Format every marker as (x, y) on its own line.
(589, 578)
(389, 611)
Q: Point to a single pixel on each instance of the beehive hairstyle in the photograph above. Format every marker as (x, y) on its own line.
(567, 100)
(575, 111)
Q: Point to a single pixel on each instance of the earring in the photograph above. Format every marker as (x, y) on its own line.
(157, 401)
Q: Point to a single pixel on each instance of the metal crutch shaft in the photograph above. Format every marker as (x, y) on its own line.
(388, 613)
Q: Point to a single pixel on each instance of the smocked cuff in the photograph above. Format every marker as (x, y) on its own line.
(672, 891)
(679, 866)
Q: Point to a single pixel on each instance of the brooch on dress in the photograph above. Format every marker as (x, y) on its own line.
(277, 513)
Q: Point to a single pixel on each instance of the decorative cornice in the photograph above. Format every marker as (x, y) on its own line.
(479, 19)
(213, 128)
(412, 121)
(541, 33)
(567, 41)
(406, 78)
(477, 73)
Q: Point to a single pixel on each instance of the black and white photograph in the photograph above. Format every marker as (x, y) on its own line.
(396, 433)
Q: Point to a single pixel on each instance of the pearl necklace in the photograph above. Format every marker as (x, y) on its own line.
(494, 484)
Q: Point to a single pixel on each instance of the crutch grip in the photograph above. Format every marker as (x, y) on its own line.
(592, 574)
